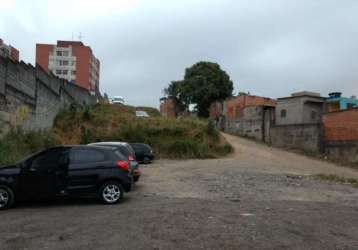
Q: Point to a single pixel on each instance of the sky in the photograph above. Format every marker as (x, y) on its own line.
(268, 47)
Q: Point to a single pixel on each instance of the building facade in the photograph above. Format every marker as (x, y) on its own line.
(336, 102)
(300, 108)
(70, 60)
(8, 51)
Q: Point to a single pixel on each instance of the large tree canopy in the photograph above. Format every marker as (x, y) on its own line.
(204, 83)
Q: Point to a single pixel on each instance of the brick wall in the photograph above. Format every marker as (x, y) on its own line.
(235, 106)
(341, 125)
(168, 107)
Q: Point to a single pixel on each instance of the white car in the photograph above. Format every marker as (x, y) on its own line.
(140, 113)
(118, 100)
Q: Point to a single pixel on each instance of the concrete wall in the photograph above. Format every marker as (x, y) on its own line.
(30, 98)
(306, 137)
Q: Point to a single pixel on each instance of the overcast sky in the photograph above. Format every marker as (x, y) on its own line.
(268, 47)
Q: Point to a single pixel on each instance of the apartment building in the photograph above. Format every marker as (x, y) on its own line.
(70, 60)
(8, 51)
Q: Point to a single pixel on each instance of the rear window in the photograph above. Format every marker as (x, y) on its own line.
(86, 156)
(119, 155)
(124, 150)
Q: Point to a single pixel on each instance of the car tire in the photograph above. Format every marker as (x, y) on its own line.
(146, 160)
(7, 197)
(136, 178)
(111, 192)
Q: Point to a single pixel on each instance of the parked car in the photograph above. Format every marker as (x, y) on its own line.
(89, 171)
(143, 152)
(118, 100)
(128, 152)
(140, 113)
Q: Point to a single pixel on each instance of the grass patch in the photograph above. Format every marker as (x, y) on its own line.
(169, 138)
(337, 179)
(17, 144)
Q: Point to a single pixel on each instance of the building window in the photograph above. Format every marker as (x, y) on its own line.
(313, 115)
(65, 72)
(65, 53)
(73, 63)
(65, 63)
(59, 53)
(73, 72)
(58, 72)
(283, 113)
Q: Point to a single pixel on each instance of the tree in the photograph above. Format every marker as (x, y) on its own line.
(203, 84)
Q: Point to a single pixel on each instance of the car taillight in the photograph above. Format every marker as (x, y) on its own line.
(130, 158)
(123, 165)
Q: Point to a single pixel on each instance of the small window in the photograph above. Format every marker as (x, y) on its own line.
(59, 53)
(283, 113)
(58, 72)
(65, 72)
(65, 63)
(313, 115)
(65, 53)
(73, 72)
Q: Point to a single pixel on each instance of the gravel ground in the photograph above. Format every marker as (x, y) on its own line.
(257, 198)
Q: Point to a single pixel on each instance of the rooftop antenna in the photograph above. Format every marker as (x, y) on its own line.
(80, 36)
(72, 36)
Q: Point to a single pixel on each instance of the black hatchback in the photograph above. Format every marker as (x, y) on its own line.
(143, 152)
(88, 171)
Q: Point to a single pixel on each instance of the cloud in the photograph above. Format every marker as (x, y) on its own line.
(269, 48)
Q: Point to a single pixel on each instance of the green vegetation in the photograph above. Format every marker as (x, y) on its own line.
(338, 179)
(18, 144)
(204, 83)
(170, 138)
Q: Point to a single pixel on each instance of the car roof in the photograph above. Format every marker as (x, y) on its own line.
(86, 147)
(110, 143)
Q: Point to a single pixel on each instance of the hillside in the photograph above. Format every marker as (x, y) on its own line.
(169, 138)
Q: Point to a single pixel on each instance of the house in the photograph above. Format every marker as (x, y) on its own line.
(300, 108)
(336, 102)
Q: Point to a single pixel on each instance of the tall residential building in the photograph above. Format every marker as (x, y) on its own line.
(70, 60)
(9, 51)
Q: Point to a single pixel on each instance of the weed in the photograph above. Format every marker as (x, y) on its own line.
(338, 179)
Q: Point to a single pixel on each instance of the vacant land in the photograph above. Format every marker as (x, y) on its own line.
(256, 198)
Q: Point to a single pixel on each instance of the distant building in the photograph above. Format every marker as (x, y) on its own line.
(168, 107)
(336, 102)
(70, 60)
(300, 108)
(8, 51)
(233, 107)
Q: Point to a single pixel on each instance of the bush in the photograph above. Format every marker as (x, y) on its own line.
(17, 144)
(170, 138)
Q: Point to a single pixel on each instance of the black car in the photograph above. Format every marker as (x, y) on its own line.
(128, 152)
(89, 171)
(143, 152)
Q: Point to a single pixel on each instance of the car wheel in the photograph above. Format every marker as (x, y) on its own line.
(146, 160)
(136, 178)
(111, 192)
(7, 197)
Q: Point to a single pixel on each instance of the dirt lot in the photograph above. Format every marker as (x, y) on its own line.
(257, 198)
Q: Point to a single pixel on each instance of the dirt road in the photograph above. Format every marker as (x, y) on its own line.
(257, 198)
